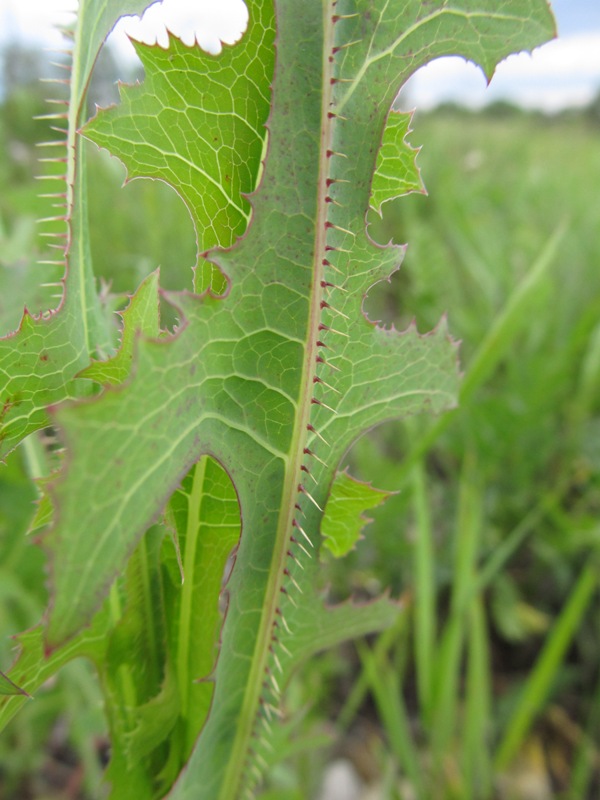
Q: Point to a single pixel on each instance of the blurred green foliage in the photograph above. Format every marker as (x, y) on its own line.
(494, 534)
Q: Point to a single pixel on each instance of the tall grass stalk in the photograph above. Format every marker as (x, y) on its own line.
(587, 756)
(449, 657)
(424, 613)
(499, 338)
(386, 691)
(539, 682)
(476, 760)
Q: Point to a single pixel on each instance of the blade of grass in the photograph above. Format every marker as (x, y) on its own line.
(424, 588)
(448, 659)
(548, 503)
(539, 682)
(586, 394)
(501, 335)
(397, 634)
(511, 319)
(510, 543)
(393, 714)
(83, 708)
(587, 757)
(476, 754)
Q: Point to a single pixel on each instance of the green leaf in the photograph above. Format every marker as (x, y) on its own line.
(396, 172)
(44, 510)
(154, 721)
(39, 361)
(137, 673)
(343, 520)
(155, 674)
(19, 276)
(319, 626)
(279, 376)
(141, 317)
(197, 122)
(8, 688)
(33, 375)
(33, 666)
(95, 20)
(205, 514)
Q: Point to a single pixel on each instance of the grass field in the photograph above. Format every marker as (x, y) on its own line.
(494, 534)
(492, 679)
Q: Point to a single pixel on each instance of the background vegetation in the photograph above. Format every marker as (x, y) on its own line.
(490, 687)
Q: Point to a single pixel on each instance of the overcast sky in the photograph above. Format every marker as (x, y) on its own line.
(562, 73)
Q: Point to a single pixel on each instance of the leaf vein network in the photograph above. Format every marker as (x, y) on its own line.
(196, 168)
(369, 60)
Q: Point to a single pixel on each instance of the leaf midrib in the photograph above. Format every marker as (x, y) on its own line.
(237, 764)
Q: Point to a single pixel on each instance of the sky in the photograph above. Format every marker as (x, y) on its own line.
(563, 73)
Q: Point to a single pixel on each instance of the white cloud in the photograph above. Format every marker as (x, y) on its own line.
(37, 21)
(562, 73)
(203, 21)
(208, 22)
(576, 56)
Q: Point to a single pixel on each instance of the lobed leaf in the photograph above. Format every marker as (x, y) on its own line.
(343, 519)
(33, 667)
(396, 172)
(280, 375)
(141, 317)
(39, 361)
(197, 122)
(138, 675)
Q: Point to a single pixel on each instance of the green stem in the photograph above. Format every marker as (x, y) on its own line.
(424, 606)
(189, 559)
(497, 341)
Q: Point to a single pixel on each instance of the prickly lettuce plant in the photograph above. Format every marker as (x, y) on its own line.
(199, 479)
